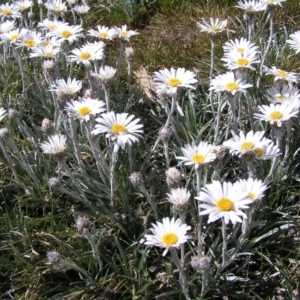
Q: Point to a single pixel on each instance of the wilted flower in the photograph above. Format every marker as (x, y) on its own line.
(165, 133)
(179, 198)
(173, 177)
(53, 257)
(136, 179)
(106, 75)
(83, 223)
(200, 263)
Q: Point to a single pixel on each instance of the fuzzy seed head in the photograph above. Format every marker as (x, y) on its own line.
(165, 134)
(53, 257)
(173, 178)
(200, 263)
(83, 223)
(54, 182)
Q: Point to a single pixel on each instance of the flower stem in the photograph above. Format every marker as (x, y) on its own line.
(224, 248)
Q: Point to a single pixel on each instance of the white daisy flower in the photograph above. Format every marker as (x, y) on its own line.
(290, 77)
(69, 87)
(252, 6)
(125, 34)
(81, 9)
(45, 52)
(30, 39)
(56, 6)
(14, 35)
(294, 41)
(172, 79)
(273, 2)
(179, 198)
(215, 26)
(284, 94)
(169, 234)
(87, 53)
(236, 60)
(255, 188)
(106, 75)
(103, 32)
(268, 150)
(56, 145)
(9, 11)
(23, 5)
(221, 200)
(228, 83)
(275, 113)
(3, 113)
(68, 33)
(244, 144)
(241, 45)
(120, 128)
(51, 25)
(7, 26)
(85, 107)
(197, 155)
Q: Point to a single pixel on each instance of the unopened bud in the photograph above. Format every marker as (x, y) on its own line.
(54, 182)
(200, 263)
(53, 257)
(12, 113)
(165, 133)
(47, 126)
(173, 178)
(83, 223)
(129, 53)
(136, 179)
(4, 133)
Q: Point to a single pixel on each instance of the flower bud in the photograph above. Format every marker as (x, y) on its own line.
(173, 178)
(136, 179)
(165, 133)
(200, 263)
(53, 257)
(83, 223)
(47, 126)
(129, 53)
(54, 182)
(12, 113)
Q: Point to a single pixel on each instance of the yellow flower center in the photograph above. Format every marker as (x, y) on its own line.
(118, 128)
(14, 37)
(281, 97)
(47, 44)
(271, 1)
(198, 158)
(6, 12)
(276, 115)
(52, 27)
(48, 53)
(83, 111)
(225, 204)
(170, 239)
(252, 195)
(247, 146)
(22, 7)
(66, 33)
(85, 56)
(57, 8)
(298, 44)
(215, 28)
(240, 49)
(259, 152)
(69, 89)
(232, 86)
(123, 33)
(174, 82)
(242, 62)
(282, 73)
(103, 34)
(30, 43)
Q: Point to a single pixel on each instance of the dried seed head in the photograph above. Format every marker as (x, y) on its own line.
(173, 178)
(129, 53)
(136, 179)
(4, 133)
(54, 182)
(165, 133)
(83, 223)
(144, 80)
(12, 113)
(47, 126)
(200, 263)
(53, 257)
